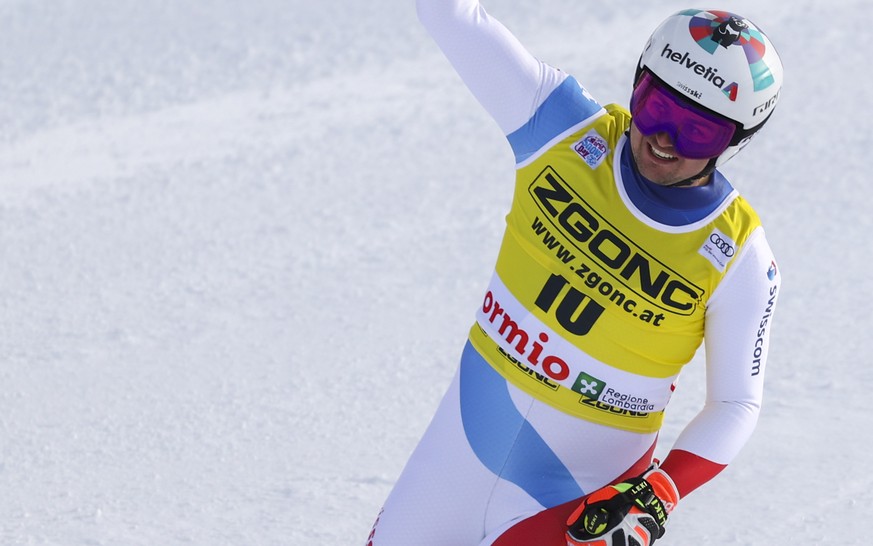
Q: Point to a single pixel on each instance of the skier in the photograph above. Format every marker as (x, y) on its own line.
(625, 249)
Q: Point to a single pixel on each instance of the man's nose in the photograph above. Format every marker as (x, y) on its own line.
(664, 140)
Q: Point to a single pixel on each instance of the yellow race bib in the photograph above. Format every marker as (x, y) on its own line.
(594, 308)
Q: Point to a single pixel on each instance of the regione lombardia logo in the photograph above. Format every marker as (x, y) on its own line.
(714, 29)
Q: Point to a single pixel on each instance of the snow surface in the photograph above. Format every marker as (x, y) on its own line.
(241, 244)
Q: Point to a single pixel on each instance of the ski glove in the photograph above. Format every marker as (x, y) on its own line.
(631, 513)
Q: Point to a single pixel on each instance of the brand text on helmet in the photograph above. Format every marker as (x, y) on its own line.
(707, 72)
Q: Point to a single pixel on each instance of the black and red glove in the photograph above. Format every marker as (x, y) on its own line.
(631, 513)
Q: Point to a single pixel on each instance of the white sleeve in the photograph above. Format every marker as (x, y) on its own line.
(737, 335)
(503, 76)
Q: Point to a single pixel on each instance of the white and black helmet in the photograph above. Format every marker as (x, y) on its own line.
(720, 61)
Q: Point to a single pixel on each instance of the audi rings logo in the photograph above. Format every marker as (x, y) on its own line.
(718, 248)
(724, 246)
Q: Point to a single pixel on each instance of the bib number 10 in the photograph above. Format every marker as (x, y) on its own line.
(575, 311)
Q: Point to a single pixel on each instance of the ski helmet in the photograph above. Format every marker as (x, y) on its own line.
(722, 63)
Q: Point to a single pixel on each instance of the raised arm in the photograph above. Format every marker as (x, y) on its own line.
(505, 78)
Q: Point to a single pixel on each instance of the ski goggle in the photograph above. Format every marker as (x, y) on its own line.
(696, 133)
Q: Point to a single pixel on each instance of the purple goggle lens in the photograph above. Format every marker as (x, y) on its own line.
(697, 134)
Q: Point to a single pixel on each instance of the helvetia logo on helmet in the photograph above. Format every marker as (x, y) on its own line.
(708, 73)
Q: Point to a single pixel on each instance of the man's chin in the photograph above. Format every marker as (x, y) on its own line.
(656, 175)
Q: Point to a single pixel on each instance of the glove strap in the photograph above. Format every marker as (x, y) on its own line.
(664, 488)
(643, 496)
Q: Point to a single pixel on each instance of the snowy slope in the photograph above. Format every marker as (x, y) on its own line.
(241, 245)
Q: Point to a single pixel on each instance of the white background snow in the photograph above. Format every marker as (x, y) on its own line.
(241, 244)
